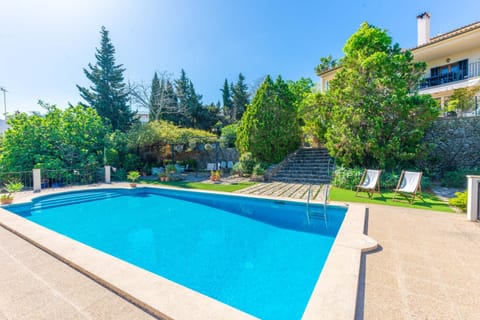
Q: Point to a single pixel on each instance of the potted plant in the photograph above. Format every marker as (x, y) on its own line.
(171, 168)
(163, 176)
(215, 175)
(133, 177)
(11, 187)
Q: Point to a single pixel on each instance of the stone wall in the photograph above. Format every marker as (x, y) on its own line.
(455, 142)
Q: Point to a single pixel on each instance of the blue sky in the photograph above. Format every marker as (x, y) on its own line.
(44, 45)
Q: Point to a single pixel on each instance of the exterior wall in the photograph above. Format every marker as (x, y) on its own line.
(326, 78)
(446, 52)
(455, 143)
(471, 55)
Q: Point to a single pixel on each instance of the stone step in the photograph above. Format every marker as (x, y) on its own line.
(314, 166)
(306, 166)
(307, 181)
(302, 176)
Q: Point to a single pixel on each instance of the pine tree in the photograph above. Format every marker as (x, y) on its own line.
(170, 103)
(182, 92)
(194, 107)
(240, 97)
(189, 102)
(227, 101)
(108, 94)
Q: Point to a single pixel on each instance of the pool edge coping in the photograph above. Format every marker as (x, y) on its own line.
(334, 295)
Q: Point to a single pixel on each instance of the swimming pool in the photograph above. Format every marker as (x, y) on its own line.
(260, 256)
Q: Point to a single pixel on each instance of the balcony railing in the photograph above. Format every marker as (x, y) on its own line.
(473, 71)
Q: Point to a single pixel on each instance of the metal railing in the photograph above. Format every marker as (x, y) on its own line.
(472, 71)
(69, 177)
(25, 177)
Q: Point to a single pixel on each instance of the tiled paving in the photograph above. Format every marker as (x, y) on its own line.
(428, 266)
(286, 190)
(35, 285)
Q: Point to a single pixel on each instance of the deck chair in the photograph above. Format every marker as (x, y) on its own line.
(370, 182)
(408, 185)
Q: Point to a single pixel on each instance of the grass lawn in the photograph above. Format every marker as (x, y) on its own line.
(203, 186)
(429, 202)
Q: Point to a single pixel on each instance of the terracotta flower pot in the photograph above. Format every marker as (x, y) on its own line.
(133, 185)
(6, 201)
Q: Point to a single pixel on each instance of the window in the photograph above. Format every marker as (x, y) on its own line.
(449, 72)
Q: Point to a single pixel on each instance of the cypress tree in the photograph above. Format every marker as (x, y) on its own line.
(240, 97)
(269, 128)
(181, 91)
(155, 98)
(227, 101)
(108, 93)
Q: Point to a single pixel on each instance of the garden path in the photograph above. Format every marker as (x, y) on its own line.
(286, 190)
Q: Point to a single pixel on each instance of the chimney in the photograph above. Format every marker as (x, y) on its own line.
(423, 28)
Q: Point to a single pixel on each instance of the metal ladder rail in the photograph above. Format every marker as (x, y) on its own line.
(327, 189)
(308, 203)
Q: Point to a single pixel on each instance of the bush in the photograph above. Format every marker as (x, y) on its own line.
(131, 162)
(456, 179)
(171, 168)
(237, 168)
(258, 170)
(246, 163)
(228, 136)
(347, 178)
(192, 164)
(119, 175)
(460, 200)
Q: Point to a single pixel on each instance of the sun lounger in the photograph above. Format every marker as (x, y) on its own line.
(370, 182)
(408, 185)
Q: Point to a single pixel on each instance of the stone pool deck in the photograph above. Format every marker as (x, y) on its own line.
(427, 267)
(35, 285)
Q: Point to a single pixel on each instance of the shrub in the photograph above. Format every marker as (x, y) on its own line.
(119, 175)
(456, 179)
(131, 162)
(426, 183)
(389, 180)
(460, 200)
(192, 164)
(171, 168)
(258, 170)
(347, 178)
(237, 168)
(228, 136)
(246, 163)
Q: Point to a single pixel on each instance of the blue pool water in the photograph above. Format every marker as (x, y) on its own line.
(260, 256)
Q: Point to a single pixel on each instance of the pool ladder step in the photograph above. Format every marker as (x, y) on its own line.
(72, 199)
(315, 214)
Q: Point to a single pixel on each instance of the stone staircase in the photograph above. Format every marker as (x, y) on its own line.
(307, 165)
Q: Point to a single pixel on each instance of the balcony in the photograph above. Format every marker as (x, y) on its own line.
(472, 71)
